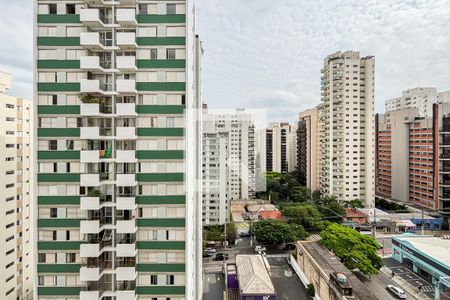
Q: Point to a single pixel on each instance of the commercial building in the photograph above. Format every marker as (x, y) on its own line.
(421, 98)
(16, 184)
(413, 161)
(119, 143)
(347, 139)
(308, 148)
(281, 147)
(331, 279)
(428, 255)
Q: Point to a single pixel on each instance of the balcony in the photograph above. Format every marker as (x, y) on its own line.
(126, 203)
(94, 18)
(93, 64)
(90, 179)
(126, 109)
(125, 133)
(126, 63)
(126, 250)
(126, 40)
(126, 180)
(90, 156)
(126, 17)
(90, 133)
(89, 250)
(89, 226)
(89, 274)
(89, 295)
(125, 295)
(93, 41)
(126, 86)
(90, 203)
(128, 226)
(96, 86)
(126, 273)
(90, 109)
(126, 156)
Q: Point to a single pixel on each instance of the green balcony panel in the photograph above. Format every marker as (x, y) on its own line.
(166, 245)
(70, 154)
(161, 222)
(58, 132)
(161, 63)
(58, 109)
(51, 223)
(160, 109)
(161, 86)
(160, 154)
(58, 64)
(59, 245)
(59, 177)
(153, 200)
(58, 87)
(161, 267)
(161, 19)
(58, 19)
(58, 291)
(58, 268)
(160, 131)
(160, 177)
(161, 41)
(58, 41)
(160, 290)
(58, 200)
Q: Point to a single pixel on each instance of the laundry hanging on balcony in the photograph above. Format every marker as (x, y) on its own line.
(105, 153)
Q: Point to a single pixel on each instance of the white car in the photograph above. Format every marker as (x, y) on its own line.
(397, 291)
(210, 250)
(260, 248)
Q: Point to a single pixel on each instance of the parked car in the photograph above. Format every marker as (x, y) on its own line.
(221, 256)
(211, 250)
(260, 248)
(396, 291)
(207, 254)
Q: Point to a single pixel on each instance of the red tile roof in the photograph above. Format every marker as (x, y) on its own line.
(354, 213)
(275, 215)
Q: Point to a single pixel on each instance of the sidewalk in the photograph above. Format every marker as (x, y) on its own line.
(400, 282)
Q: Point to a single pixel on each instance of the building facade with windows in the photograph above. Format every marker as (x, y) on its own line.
(347, 132)
(308, 148)
(281, 147)
(119, 143)
(16, 182)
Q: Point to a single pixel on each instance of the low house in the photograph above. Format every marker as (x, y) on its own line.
(252, 279)
(354, 215)
(271, 215)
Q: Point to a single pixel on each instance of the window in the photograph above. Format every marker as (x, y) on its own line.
(153, 53)
(52, 9)
(11, 106)
(170, 279)
(41, 257)
(9, 119)
(9, 145)
(171, 53)
(153, 279)
(53, 145)
(54, 99)
(69, 145)
(171, 9)
(70, 9)
(70, 257)
(10, 172)
(53, 212)
(40, 280)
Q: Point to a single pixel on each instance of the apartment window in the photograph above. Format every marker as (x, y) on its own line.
(40, 280)
(9, 198)
(10, 251)
(11, 211)
(70, 257)
(9, 225)
(143, 10)
(67, 235)
(171, 9)
(41, 257)
(9, 132)
(10, 185)
(68, 167)
(170, 122)
(53, 212)
(11, 106)
(170, 279)
(54, 99)
(70, 9)
(171, 53)
(10, 238)
(69, 145)
(153, 53)
(53, 145)
(9, 145)
(9, 119)
(153, 279)
(52, 9)
(10, 172)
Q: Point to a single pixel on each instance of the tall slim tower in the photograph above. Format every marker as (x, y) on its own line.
(347, 127)
(119, 142)
(16, 185)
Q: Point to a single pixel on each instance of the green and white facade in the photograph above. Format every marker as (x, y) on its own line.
(118, 145)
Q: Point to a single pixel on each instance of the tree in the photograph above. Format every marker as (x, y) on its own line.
(311, 290)
(231, 233)
(330, 207)
(278, 232)
(304, 214)
(356, 251)
(356, 203)
(300, 194)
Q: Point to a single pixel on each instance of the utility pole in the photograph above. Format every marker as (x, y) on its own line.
(422, 223)
(374, 226)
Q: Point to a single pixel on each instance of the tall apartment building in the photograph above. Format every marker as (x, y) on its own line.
(260, 151)
(347, 141)
(240, 156)
(281, 147)
(308, 148)
(119, 174)
(413, 158)
(421, 98)
(16, 182)
(216, 178)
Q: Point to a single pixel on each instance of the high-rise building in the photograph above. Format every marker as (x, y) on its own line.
(308, 148)
(281, 147)
(16, 182)
(240, 127)
(421, 98)
(413, 163)
(347, 141)
(119, 143)
(260, 151)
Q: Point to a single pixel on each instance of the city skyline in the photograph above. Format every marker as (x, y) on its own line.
(275, 76)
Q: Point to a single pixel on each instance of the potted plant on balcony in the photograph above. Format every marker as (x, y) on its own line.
(87, 98)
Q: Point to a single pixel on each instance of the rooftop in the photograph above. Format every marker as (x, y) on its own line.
(274, 215)
(435, 247)
(253, 276)
(354, 213)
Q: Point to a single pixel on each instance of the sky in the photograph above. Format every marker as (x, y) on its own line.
(267, 54)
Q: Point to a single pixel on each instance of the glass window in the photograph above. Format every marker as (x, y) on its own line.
(171, 9)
